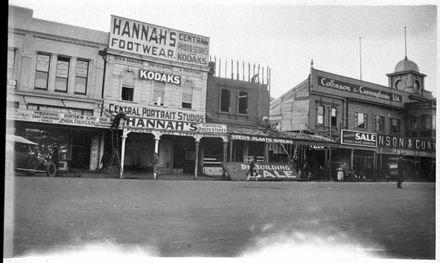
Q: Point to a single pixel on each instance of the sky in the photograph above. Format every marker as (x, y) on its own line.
(339, 36)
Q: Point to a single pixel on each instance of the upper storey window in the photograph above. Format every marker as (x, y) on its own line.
(81, 76)
(11, 63)
(334, 119)
(380, 123)
(426, 122)
(42, 71)
(225, 100)
(395, 125)
(360, 120)
(127, 87)
(158, 94)
(187, 95)
(320, 115)
(243, 102)
(62, 74)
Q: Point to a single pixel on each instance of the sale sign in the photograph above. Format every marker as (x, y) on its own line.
(263, 172)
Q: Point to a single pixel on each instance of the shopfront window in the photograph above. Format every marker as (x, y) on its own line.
(72, 148)
(62, 74)
(380, 123)
(225, 100)
(395, 125)
(243, 102)
(360, 120)
(42, 71)
(320, 115)
(82, 69)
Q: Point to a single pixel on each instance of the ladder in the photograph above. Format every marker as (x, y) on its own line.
(114, 159)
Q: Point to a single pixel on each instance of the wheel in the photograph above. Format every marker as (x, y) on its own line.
(51, 169)
(32, 163)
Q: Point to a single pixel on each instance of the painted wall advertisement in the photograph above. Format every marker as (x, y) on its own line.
(353, 88)
(264, 172)
(159, 42)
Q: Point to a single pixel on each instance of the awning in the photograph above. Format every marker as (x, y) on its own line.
(14, 138)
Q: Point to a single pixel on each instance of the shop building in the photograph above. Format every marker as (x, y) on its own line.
(158, 77)
(240, 99)
(54, 86)
(372, 123)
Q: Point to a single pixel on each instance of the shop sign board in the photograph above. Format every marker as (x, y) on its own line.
(358, 138)
(362, 90)
(237, 171)
(411, 143)
(58, 118)
(212, 128)
(160, 77)
(171, 125)
(260, 139)
(157, 113)
(156, 41)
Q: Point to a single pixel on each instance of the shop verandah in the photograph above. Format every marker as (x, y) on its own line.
(201, 153)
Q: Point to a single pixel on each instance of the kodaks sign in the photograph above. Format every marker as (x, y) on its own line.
(160, 77)
(160, 42)
(349, 87)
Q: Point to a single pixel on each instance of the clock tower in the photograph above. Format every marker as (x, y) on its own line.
(406, 77)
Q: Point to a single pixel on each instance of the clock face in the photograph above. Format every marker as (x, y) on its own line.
(399, 84)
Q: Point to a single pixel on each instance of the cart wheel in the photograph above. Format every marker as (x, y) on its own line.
(51, 169)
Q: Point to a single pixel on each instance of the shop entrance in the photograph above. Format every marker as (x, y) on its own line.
(80, 145)
(184, 153)
(363, 164)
